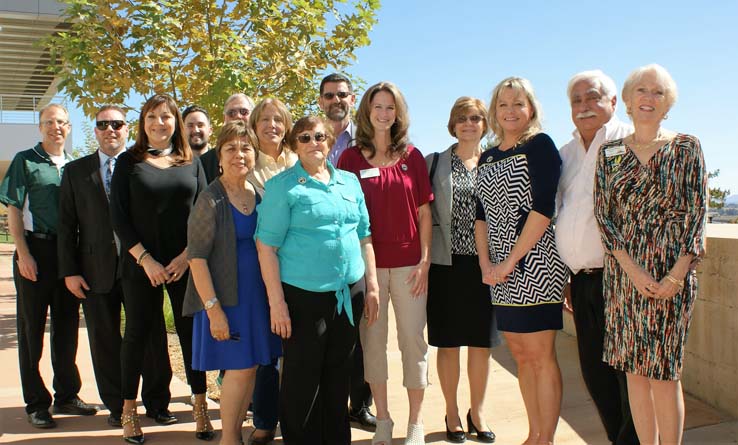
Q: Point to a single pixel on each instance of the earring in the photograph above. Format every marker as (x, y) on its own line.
(666, 116)
(220, 169)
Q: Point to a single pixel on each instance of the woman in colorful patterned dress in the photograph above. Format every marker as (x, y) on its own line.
(650, 203)
(516, 189)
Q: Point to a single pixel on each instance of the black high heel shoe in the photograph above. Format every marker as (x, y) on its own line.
(454, 436)
(482, 436)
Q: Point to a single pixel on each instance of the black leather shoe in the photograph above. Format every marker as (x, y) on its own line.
(162, 417)
(482, 436)
(261, 439)
(114, 421)
(365, 418)
(454, 436)
(76, 407)
(41, 419)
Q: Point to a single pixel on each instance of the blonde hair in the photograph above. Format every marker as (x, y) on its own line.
(662, 76)
(518, 84)
(283, 112)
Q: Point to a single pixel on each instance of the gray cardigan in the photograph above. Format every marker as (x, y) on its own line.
(211, 235)
(441, 207)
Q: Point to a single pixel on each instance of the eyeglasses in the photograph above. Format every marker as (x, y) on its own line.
(305, 138)
(235, 112)
(50, 122)
(340, 94)
(474, 118)
(103, 125)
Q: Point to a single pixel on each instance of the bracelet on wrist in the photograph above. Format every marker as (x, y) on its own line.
(674, 281)
(141, 257)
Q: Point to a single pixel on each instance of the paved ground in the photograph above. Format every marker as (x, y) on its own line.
(579, 423)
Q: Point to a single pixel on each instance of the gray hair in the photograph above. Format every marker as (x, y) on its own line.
(602, 81)
(233, 97)
(50, 106)
(663, 76)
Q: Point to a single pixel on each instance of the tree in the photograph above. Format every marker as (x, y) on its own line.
(717, 195)
(89, 145)
(202, 51)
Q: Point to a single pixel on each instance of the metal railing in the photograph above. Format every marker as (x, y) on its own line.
(23, 109)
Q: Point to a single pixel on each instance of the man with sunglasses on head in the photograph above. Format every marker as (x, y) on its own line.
(88, 255)
(197, 130)
(30, 190)
(337, 101)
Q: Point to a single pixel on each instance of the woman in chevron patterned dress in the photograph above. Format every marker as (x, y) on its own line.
(650, 199)
(516, 186)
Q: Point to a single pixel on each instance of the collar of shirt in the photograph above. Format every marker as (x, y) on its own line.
(104, 158)
(302, 173)
(577, 233)
(283, 160)
(57, 161)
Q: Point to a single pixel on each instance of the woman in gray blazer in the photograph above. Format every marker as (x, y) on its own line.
(459, 308)
(226, 294)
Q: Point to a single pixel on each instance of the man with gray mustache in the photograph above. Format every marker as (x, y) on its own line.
(592, 96)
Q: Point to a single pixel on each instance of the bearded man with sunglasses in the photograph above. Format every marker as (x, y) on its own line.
(88, 255)
(337, 101)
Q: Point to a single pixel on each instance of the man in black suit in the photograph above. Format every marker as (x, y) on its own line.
(88, 261)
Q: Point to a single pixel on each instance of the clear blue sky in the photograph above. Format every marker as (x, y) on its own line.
(436, 51)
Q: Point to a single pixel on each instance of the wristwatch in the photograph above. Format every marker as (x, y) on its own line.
(210, 303)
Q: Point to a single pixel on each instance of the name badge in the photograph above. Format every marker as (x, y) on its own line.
(614, 151)
(369, 173)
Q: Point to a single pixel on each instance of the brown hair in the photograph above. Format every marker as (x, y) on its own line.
(181, 152)
(398, 132)
(308, 123)
(461, 107)
(236, 130)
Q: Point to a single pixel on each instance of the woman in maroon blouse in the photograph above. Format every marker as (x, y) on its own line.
(397, 189)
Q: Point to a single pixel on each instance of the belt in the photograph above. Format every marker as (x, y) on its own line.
(591, 271)
(41, 235)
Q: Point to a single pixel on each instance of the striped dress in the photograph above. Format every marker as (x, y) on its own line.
(656, 213)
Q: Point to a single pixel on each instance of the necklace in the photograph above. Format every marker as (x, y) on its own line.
(241, 202)
(158, 153)
(645, 146)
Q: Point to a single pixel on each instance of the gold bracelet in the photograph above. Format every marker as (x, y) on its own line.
(673, 280)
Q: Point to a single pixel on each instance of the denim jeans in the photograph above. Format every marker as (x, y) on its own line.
(266, 396)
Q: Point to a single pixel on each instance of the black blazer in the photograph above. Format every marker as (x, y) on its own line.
(85, 241)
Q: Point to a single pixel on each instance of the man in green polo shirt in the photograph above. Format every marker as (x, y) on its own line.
(30, 190)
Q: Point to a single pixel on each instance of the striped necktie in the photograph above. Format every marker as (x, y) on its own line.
(108, 174)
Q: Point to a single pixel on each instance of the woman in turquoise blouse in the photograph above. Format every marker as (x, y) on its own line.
(317, 261)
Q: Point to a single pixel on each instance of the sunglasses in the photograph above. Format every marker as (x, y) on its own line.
(238, 111)
(340, 94)
(475, 119)
(305, 138)
(103, 125)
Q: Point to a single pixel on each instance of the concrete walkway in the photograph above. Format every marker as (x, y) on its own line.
(505, 412)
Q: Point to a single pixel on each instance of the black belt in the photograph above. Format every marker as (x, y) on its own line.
(591, 271)
(41, 235)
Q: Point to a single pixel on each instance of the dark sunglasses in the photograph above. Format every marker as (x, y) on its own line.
(475, 119)
(238, 111)
(305, 138)
(340, 94)
(103, 125)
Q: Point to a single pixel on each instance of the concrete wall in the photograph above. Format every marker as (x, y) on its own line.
(711, 356)
(17, 137)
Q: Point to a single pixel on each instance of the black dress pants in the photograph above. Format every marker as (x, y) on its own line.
(360, 395)
(102, 318)
(607, 386)
(318, 359)
(34, 300)
(145, 327)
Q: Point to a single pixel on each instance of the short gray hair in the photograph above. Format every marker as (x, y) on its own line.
(233, 97)
(599, 79)
(663, 76)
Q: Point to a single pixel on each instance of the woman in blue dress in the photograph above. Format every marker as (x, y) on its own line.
(226, 294)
